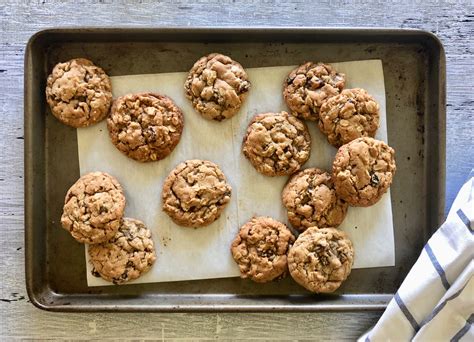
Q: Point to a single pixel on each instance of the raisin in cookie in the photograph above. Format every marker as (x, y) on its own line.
(363, 171)
(146, 126)
(277, 144)
(195, 193)
(260, 249)
(350, 115)
(321, 259)
(217, 86)
(78, 93)
(307, 86)
(93, 208)
(128, 255)
(311, 200)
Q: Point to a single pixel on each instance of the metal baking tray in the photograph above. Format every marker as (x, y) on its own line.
(415, 82)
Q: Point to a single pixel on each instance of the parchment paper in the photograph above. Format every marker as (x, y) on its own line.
(186, 253)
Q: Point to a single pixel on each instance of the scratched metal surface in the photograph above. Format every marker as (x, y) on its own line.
(414, 72)
(452, 21)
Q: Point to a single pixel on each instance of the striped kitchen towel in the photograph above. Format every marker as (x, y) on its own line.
(436, 300)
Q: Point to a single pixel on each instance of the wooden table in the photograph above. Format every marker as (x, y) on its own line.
(451, 20)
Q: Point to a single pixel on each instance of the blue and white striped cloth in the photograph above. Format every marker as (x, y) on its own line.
(436, 300)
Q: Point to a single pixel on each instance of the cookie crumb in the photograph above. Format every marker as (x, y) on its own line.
(95, 273)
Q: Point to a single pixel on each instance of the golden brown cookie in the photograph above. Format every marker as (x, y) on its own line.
(277, 144)
(195, 193)
(217, 86)
(363, 171)
(321, 259)
(260, 249)
(308, 86)
(93, 208)
(350, 115)
(78, 93)
(129, 254)
(311, 200)
(145, 126)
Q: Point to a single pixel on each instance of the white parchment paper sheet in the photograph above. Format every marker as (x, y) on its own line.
(186, 253)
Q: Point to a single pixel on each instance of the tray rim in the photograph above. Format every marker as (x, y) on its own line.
(41, 303)
(359, 30)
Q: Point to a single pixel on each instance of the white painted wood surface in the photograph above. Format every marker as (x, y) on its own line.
(451, 20)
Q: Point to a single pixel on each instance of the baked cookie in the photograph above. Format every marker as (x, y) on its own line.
(321, 259)
(277, 144)
(93, 208)
(217, 86)
(350, 115)
(195, 193)
(363, 171)
(307, 86)
(128, 255)
(145, 126)
(260, 249)
(78, 92)
(310, 198)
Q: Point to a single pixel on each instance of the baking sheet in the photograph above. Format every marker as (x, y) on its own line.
(186, 254)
